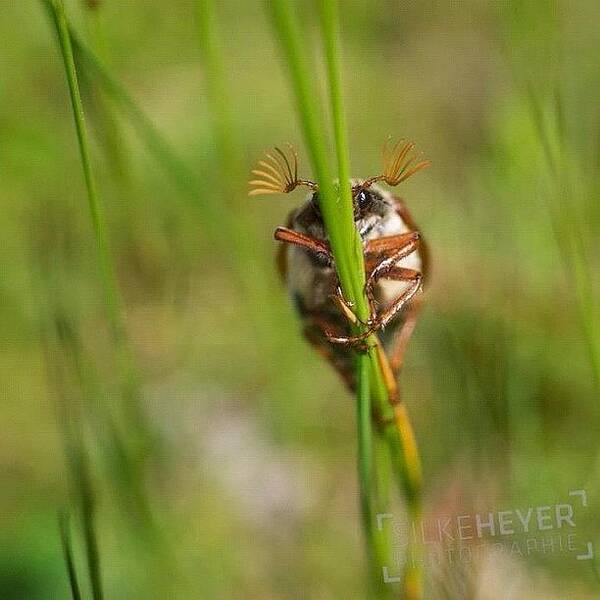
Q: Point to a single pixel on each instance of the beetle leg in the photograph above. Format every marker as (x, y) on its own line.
(387, 369)
(390, 367)
(394, 272)
(345, 307)
(383, 245)
(388, 314)
(403, 335)
(382, 256)
(311, 333)
(389, 250)
(356, 342)
(415, 279)
(318, 247)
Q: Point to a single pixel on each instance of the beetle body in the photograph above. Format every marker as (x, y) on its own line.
(312, 280)
(395, 260)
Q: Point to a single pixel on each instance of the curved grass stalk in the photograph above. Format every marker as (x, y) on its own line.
(337, 210)
(140, 443)
(330, 26)
(112, 297)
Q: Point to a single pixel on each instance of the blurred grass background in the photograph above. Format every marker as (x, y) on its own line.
(248, 486)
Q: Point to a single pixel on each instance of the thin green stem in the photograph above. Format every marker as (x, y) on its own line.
(330, 20)
(110, 130)
(336, 212)
(67, 545)
(79, 471)
(330, 26)
(113, 304)
(365, 443)
(369, 375)
(338, 216)
(88, 519)
(112, 299)
(331, 33)
(217, 89)
(403, 433)
(83, 487)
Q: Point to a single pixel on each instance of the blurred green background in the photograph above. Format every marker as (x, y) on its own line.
(230, 470)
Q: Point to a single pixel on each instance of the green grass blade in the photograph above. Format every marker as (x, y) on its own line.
(67, 546)
(112, 296)
(376, 554)
(410, 473)
(141, 438)
(366, 365)
(337, 210)
(94, 204)
(331, 34)
(217, 90)
(88, 518)
(183, 177)
(110, 130)
(81, 479)
(337, 213)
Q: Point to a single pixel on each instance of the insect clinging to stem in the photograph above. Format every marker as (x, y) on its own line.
(394, 251)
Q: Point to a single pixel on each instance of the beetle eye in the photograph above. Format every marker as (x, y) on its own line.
(362, 199)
